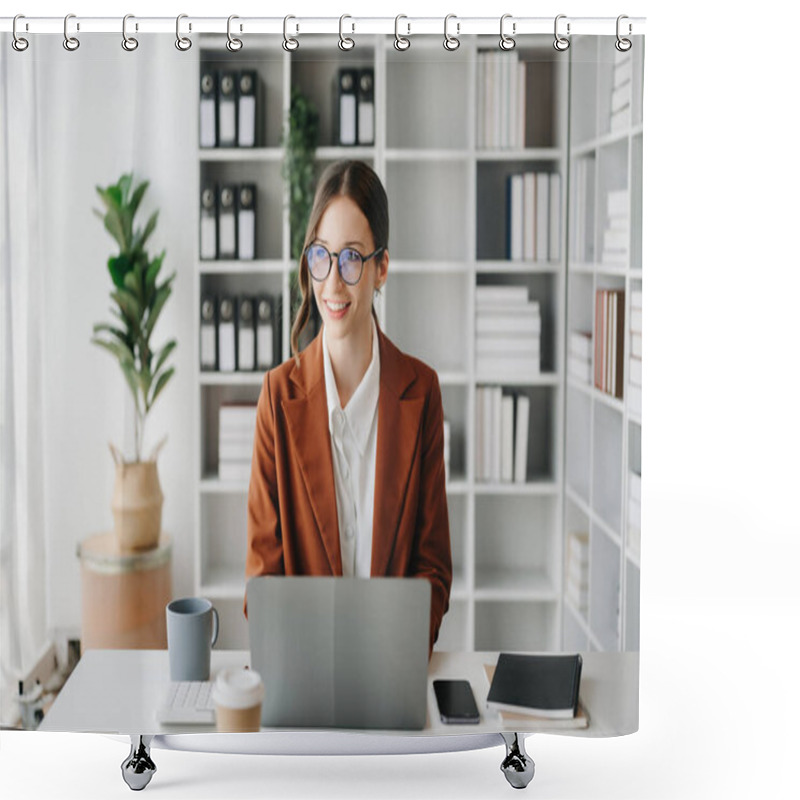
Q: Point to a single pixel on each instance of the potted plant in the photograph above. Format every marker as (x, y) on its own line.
(138, 301)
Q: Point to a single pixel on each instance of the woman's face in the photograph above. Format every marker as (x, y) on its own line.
(346, 309)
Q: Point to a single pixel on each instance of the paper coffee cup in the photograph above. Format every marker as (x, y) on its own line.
(237, 698)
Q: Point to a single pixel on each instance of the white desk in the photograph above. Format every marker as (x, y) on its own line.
(118, 692)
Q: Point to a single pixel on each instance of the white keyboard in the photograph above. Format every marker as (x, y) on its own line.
(187, 703)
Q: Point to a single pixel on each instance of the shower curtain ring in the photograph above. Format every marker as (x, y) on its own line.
(345, 42)
(183, 43)
(128, 42)
(71, 43)
(506, 41)
(400, 42)
(233, 44)
(623, 45)
(451, 42)
(289, 42)
(561, 43)
(19, 43)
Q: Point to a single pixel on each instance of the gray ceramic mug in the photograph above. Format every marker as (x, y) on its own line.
(192, 630)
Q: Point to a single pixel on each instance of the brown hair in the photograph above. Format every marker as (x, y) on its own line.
(358, 181)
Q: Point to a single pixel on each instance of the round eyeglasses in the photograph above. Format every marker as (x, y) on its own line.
(349, 262)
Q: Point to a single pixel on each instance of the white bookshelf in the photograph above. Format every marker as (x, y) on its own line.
(446, 206)
(603, 434)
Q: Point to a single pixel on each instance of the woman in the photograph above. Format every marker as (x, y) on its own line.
(348, 462)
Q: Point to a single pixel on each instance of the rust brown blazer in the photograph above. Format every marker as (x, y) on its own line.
(292, 523)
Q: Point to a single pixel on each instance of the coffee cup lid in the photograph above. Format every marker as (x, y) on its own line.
(238, 688)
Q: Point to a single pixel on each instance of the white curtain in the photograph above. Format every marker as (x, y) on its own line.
(70, 122)
(23, 617)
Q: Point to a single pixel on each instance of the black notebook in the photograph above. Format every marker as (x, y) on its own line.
(543, 685)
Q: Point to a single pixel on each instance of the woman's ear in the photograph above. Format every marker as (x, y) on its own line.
(382, 270)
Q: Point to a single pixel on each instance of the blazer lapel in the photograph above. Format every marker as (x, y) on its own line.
(399, 426)
(307, 418)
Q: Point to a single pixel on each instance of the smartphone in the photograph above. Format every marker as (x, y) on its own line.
(456, 702)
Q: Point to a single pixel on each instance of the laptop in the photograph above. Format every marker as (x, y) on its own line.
(341, 652)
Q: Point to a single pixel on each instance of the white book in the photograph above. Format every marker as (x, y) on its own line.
(634, 512)
(620, 120)
(578, 597)
(517, 221)
(578, 574)
(578, 546)
(208, 120)
(636, 299)
(622, 73)
(617, 203)
(488, 394)
(234, 470)
(508, 345)
(542, 221)
(247, 235)
(208, 237)
(507, 439)
(636, 345)
(529, 215)
(579, 368)
(227, 347)
(509, 367)
(238, 412)
(497, 432)
(498, 89)
(521, 438)
(636, 320)
(634, 540)
(480, 100)
(580, 344)
(635, 399)
(491, 294)
(615, 239)
(509, 307)
(554, 238)
(635, 374)
(507, 324)
(635, 485)
(247, 120)
(480, 395)
(521, 78)
(613, 343)
(620, 97)
(235, 452)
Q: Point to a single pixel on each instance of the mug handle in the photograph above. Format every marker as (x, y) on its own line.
(215, 628)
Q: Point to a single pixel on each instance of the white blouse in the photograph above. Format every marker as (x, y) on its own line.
(354, 435)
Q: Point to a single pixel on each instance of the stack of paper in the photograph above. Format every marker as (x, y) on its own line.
(578, 570)
(507, 333)
(237, 425)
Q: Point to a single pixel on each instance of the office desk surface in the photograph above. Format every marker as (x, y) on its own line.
(118, 692)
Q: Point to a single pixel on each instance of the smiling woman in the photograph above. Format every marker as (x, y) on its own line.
(348, 470)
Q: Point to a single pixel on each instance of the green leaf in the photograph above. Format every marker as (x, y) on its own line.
(133, 284)
(119, 351)
(122, 337)
(149, 228)
(119, 267)
(160, 384)
(137, 196)
(130, 308)
(163, 354)
(114, 227)
(152, 274)
(132, 379)
(162, 294)
(124, 184)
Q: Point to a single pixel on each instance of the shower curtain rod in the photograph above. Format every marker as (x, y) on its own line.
(298, 25)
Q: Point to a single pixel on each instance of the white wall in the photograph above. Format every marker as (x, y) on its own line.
(102, 114)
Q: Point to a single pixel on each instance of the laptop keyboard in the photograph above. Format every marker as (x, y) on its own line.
(187, 703)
